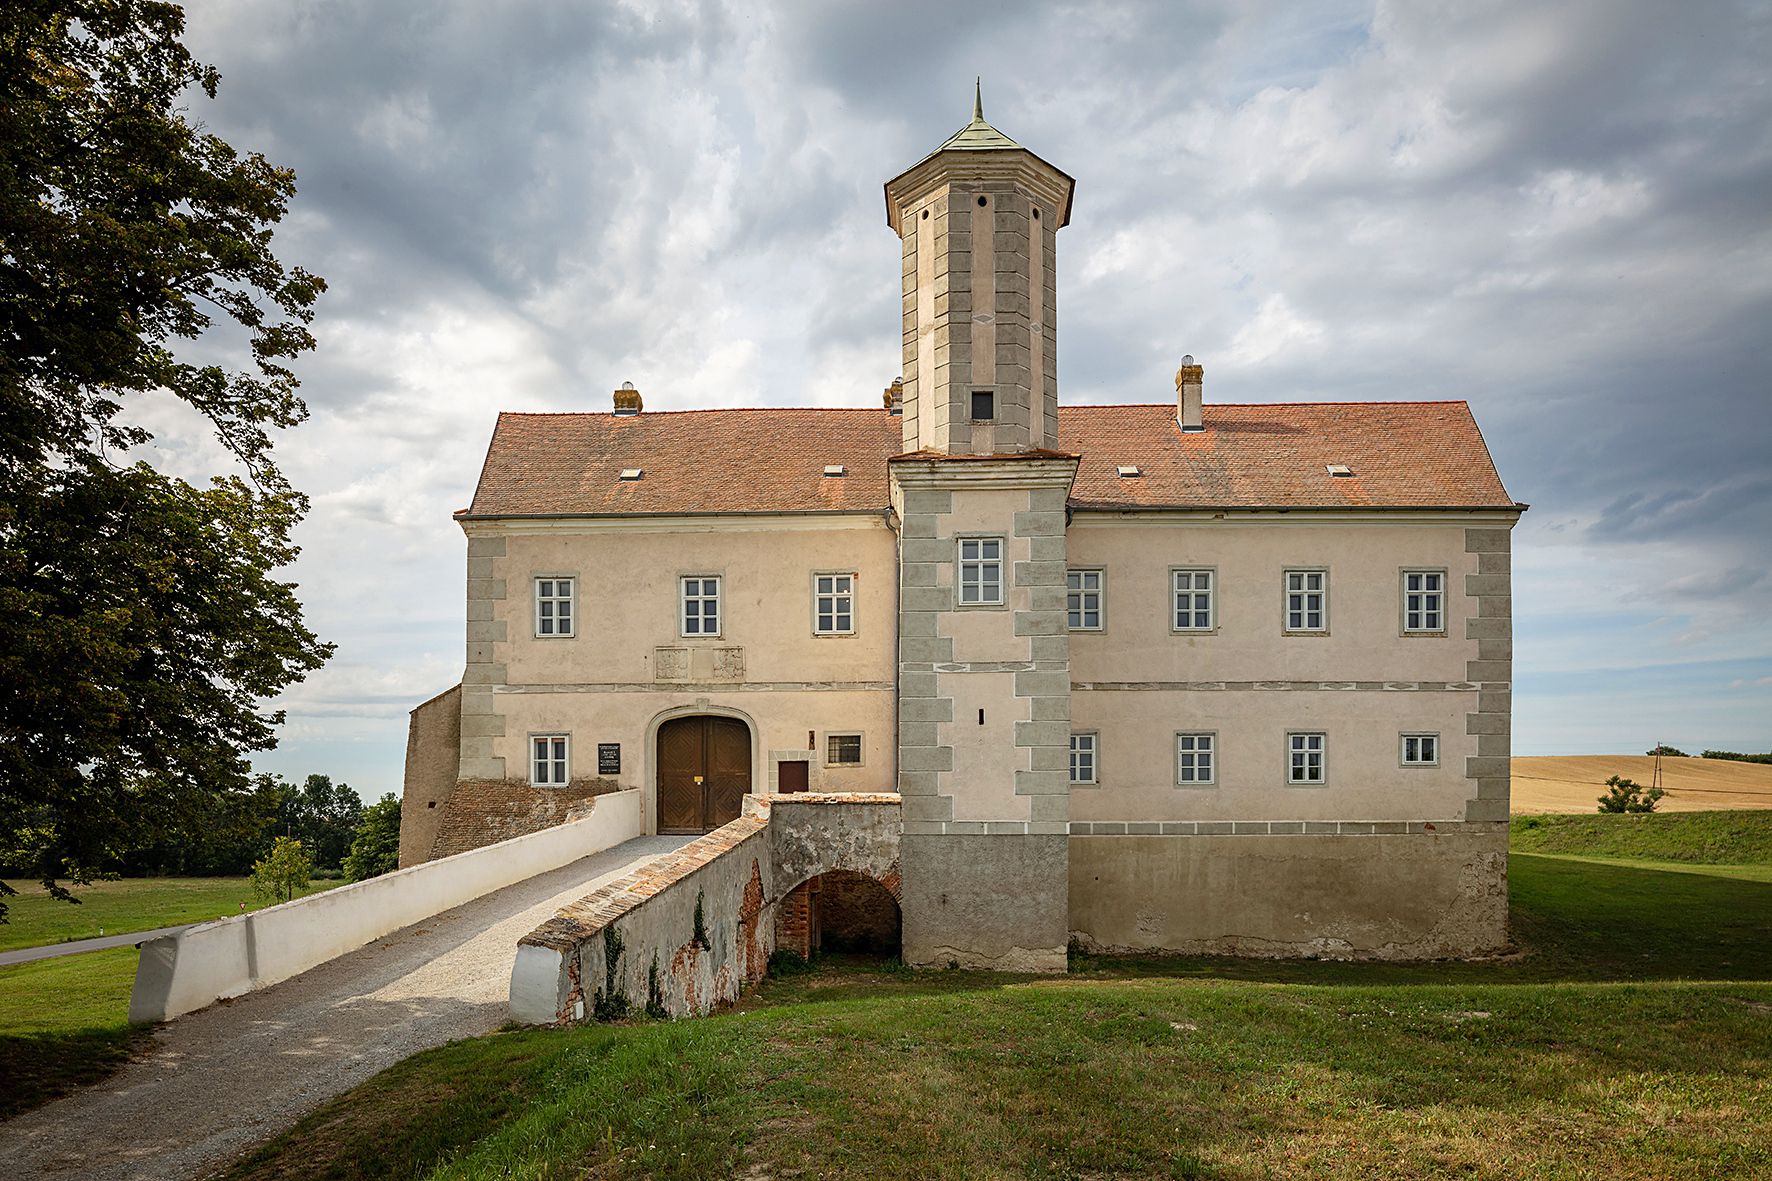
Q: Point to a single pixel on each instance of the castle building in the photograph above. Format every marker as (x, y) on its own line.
(1186, 676)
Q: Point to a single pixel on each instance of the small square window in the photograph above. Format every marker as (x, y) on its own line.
(1304, 758)
(1421, 750)
(1083, 758)
(843, 750)
(833, 604)
(983, 405)
(549, 762)
(1196, 758)
(981, 571)
(1083, 600)
(1424, 601)
(554, 608)
(701, 605)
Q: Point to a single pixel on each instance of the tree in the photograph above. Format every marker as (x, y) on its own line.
(1672, 752)
(376, 849)
(1626, 796)
(283, 872)
(323, 815)
(140, 625)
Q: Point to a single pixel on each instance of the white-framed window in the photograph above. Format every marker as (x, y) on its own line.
(833, 604)
(1307, 601)
(550, 760)
(1083, 757)
(1082, 600)
(1424, 600)
(1420, 750)
(701, 605)
(1196, 758)
(1193, 600)
(555, 616)
(981, 571)
(1305, 752)
(842, 750)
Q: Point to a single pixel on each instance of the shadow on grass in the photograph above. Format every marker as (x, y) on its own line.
(44, 1066)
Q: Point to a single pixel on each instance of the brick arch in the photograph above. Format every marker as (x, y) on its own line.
(841, 907)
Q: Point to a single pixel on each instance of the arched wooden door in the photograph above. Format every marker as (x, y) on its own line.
(704, 772)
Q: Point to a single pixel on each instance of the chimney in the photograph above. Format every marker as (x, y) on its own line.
(627, 400)
(894, 396)
(1187, 395)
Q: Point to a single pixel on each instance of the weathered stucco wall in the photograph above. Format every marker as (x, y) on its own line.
(480, 813)
(637, 939)
(1389, 896)
(433, 746)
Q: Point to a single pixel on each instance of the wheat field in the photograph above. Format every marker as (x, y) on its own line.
(1574, 783)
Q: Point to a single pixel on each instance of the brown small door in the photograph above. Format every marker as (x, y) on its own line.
(791, 776)
(704, 772)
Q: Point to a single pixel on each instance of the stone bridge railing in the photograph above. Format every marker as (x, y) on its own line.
(690, 930)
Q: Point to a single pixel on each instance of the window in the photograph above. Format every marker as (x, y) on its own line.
(1307, 600)
(981, 570)
(833, 604)
(1193, 600)
(1421, 750)
(1304, 758)
(842, 750)
(983, 408)
(1194, 761)
(1083, 758)
(553, 606)
(549, 764)
(1082, 601)
(1424, 601)
(701, 606)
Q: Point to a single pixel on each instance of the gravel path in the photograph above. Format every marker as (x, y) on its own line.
(227, 1078)
(49, 951)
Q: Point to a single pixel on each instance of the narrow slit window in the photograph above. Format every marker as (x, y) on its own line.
(1193, 600)
(833, 605)
(1083, 758)
(981, 570)
(701, 606)
(554, 615)
(1083, 600)
(1195, 758)
(1307, 600)
(549, 761)
(1305, 758)
(1424, 601)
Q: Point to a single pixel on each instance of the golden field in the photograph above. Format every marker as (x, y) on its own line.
(1574, 783)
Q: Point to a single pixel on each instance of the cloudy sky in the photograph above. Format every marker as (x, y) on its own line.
(1561, 212)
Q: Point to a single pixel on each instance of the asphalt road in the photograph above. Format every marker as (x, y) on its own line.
(25, 955)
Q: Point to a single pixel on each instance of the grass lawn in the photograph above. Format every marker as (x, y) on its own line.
(119, 907)
(1738, 837)
(1633, 1039)
(65, 1021)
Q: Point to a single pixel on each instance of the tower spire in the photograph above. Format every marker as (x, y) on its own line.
(978, 99)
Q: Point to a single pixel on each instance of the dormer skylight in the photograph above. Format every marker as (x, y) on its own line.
(632, 473)
(1340, 470)
(1128, 470)
(835, 469)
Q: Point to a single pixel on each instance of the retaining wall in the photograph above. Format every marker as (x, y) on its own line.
(213, 961)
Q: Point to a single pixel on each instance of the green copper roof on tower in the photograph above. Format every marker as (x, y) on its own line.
(977, 136)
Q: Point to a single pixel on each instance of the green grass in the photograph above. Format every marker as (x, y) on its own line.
(1632, 1040)
(120, 907)
(64, 1022)
(1713, 838)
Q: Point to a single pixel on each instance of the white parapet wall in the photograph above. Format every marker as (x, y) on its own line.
(227, 958)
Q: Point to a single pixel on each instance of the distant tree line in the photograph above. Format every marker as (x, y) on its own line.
(338, 835)
(1730, 755)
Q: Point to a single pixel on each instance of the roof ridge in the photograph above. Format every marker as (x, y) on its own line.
(1226, 405)
(699, 410)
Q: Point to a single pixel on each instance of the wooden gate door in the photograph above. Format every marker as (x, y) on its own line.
(704, 772)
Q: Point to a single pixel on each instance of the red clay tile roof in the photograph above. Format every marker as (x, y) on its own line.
(1403, 455)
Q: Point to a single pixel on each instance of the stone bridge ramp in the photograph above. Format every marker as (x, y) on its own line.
(687, 932)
